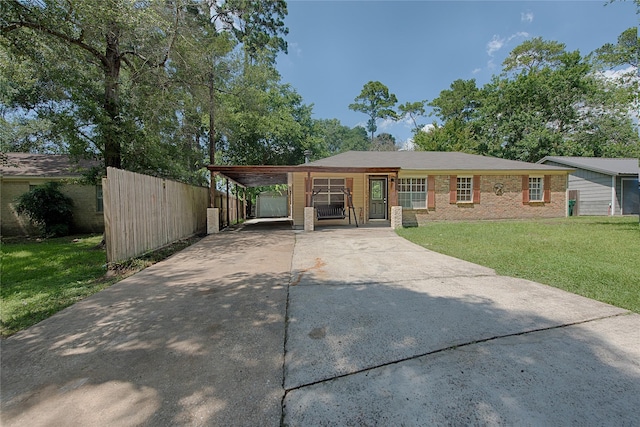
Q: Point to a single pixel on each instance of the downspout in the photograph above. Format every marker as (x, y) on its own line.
(613, 196)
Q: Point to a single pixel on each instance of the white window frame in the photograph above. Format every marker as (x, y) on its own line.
(461, 191)
(330, 193)
(536, 186)
(99, 199)
(412, 193)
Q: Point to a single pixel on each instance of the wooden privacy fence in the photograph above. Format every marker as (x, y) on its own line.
(236, 208)
(143, 213)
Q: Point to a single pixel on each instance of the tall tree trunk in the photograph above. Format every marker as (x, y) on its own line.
(212, 131)
(111, 130)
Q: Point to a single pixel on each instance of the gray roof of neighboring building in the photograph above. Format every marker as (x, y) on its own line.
(598, 164)
(42, 165)
(428, 160)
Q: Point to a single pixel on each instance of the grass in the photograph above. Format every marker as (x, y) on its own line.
(597, 257)
(41, 277)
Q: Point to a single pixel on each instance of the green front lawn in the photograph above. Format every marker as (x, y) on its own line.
(41, 277)
(597, 257)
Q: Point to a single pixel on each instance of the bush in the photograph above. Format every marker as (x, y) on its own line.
(47, 208)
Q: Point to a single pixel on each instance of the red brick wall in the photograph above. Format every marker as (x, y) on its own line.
(509, 205)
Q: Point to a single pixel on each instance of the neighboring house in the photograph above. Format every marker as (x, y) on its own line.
(20, 172)
(603, 186)
(428, 185)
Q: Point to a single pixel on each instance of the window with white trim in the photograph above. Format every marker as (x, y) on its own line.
(536, 189)
(412, 193)
(99, 199)
(464, 189)
(328, 191)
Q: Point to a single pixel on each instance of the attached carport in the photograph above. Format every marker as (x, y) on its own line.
(262, 175)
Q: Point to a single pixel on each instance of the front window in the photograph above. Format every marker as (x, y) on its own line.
(412, 193)
(535, 189)
(99, 199)
(464, 189)
(328, 191)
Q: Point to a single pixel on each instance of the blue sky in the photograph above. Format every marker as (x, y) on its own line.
(418, 48)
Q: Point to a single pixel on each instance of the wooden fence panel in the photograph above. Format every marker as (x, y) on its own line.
(144, 213)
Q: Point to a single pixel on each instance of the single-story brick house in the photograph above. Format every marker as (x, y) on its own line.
(427, 185)
(602, 186)
(20, 172)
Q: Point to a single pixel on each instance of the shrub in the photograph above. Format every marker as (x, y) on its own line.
(47, 208)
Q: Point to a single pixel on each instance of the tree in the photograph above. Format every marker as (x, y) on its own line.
(547, 101)
(451, 136)
(625, 52)
(552, 108)
(268, 124)
(459, 102)
(105, 36)
(384, 142)
(376, 102)
(106, 74)
(534, 55)
(336, 138)
(257, 25)
(47, 208)
(412, 110)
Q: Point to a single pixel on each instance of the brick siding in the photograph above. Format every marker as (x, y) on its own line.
(509, 205)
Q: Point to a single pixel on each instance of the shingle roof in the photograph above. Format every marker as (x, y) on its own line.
(428, 160)
(41, 165)
(599, 164)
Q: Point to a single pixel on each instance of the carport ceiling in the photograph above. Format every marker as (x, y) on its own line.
(257, 176)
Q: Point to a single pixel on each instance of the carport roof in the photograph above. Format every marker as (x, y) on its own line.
(259, 175)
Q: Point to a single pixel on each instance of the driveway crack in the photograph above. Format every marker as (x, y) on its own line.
(452, 347)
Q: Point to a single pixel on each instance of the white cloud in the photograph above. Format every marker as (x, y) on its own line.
(495, 45)
(526, 16)
(428, 127)
(295, 49)
(386, 124)
(476, 70)
(497, 42)
(522, 34)
(407, 145)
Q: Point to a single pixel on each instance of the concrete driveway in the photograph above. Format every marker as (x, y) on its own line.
(340, 326)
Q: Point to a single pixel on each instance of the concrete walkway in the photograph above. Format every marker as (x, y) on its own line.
(336, 327)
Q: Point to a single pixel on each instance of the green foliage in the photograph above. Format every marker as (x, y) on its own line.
(377, 102)
(412, 111)
(556, 252)
(333, 138)
(546, 102)
(457, 103)
(137, 84)
(47, 208)
(625, 52)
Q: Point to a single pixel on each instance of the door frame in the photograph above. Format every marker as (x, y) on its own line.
(622, 186)
(385, 186)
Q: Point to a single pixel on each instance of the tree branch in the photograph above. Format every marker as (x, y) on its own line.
(59, 35)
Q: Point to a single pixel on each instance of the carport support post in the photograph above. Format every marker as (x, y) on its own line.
(228, 196)
(396, 217)
(213, 220)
